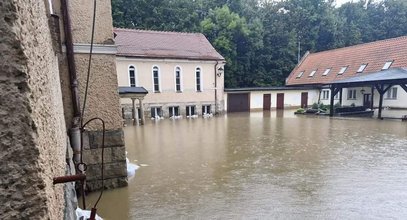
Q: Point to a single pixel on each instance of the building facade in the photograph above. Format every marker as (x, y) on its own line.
(350, 70)
(182, 73)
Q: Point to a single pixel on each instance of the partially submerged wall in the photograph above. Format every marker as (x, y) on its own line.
(32, 126)
(103, 99)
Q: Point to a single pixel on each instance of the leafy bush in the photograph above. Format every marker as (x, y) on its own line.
(315, 106)
(352, 105)
(300, 110)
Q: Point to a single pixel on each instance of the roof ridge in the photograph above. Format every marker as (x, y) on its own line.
(360, 45)
(156, 31)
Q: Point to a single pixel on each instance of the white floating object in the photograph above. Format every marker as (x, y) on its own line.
(85, 214)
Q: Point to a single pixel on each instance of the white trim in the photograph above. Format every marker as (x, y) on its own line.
(97, 49)
(159, 77)
(200, 78)
(180, 78)
(159, 60)
(51, 10)
(135, 74)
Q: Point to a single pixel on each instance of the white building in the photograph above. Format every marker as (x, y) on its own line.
(182, 72)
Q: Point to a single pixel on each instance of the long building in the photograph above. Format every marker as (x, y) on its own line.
(180, 74)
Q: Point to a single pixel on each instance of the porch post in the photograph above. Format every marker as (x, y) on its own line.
(141, 111)
(331, 106)
(372, 97)
(340, 96)
(379, 115)
(133, 115)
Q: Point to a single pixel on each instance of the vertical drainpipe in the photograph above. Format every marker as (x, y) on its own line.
(75, 136)
(216, 87)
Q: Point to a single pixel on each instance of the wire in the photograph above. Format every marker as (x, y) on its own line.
(90, 61)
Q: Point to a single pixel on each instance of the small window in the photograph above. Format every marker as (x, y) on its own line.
(206, 109)
(387, 65)
(198, 79)
(312, 73)
(300, 74)
(361, 68)
(326, 72)
(325, 94)
(178, 79)
(190, 111)
(391, 93)
(352, 94)
(156, 112)
(174, 111)
(343, 70)
(132, 76)
(156, 79)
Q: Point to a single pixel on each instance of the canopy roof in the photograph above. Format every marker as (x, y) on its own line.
(132, 90)
(390, 76)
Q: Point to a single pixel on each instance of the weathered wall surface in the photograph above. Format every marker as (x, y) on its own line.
(32, 126)
(103, 99)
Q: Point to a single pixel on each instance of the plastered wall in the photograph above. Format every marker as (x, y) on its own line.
(168, 94)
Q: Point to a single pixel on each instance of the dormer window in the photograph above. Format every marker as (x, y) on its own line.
(300, 74)
(343, 70)
(387, 65)
(312, 73)
(326, 72)
(361, 68)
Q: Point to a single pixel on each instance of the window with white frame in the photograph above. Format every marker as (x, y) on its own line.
(361, 68)
(312, 73)
(156, 79)
(178, 86)
(325, 94)
(198, 79)
(173, 111)
(351, 93)
(190, 110)
(156, 112)
(391, 93)
(387, 65)
(132, 76)
(342, 70)
(326, 72)
(300, 74)
(206, 109)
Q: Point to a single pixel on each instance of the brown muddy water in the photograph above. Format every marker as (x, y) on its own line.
(264, 166)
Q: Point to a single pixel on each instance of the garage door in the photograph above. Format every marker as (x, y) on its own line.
(238, 102)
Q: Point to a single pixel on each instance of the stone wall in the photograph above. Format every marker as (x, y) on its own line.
(115, 172)
(32, 127)
(103, 99)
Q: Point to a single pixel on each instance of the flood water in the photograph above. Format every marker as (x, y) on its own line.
(271, 165)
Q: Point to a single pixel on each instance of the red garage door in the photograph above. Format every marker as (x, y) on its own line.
(238, 102)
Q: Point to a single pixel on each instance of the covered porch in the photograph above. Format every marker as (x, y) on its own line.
(381, 81)
(135, 93)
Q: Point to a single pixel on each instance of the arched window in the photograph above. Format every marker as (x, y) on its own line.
(198, 79)
(132, 76)
(178, 76)
(156, 79)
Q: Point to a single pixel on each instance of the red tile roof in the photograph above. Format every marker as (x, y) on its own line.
(374, 54)
(159, 44)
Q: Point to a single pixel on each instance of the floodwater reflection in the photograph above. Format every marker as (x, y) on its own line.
(269, 165)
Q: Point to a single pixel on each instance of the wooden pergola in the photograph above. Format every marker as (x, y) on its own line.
(381, 81)
(134, 93)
